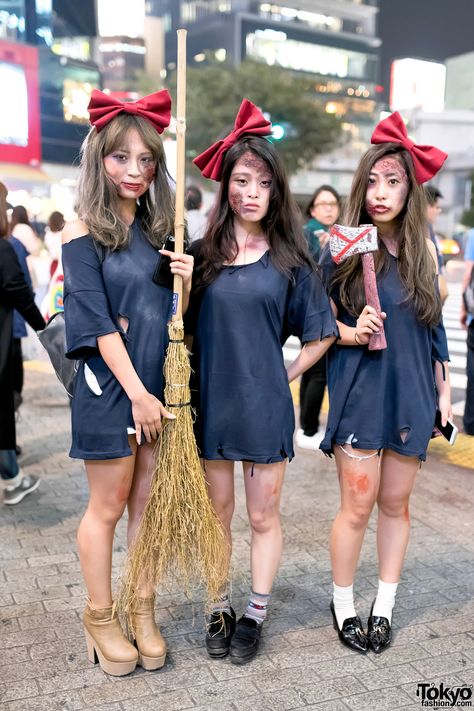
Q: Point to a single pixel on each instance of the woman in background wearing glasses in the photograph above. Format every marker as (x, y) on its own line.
(323, 210)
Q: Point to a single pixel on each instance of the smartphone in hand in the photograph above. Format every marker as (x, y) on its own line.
(163, 275)
(449, 431)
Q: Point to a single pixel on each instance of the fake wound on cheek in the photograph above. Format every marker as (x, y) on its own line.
(236, 199)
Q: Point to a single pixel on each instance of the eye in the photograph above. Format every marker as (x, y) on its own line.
(371, 181)
(266, 183)
(240, 181)
(121, 157)
(148, 160)
(393, 181)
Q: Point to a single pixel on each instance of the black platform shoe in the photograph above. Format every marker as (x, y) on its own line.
(379, 632)
(245, 642)
(220, 629)
(352, 633)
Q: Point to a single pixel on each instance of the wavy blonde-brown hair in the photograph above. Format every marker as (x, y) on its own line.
(415, 263)
(98, 202)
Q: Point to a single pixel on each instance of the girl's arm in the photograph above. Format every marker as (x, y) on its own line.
(444, 390)
(147, 410)
(308, 356)
(367, 323)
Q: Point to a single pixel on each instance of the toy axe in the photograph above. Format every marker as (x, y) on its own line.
(344, 242)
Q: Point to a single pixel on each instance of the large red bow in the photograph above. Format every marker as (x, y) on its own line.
(427, 160)
(249, 120)
(155, 108)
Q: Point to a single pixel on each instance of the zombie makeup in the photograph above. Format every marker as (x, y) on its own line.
(387, 190)
(131, 167)
(249, 188)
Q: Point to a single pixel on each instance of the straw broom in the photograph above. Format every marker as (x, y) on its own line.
(180, 539)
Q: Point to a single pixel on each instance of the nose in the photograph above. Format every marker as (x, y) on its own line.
(133, 167)
(252, 190)
(381, 191)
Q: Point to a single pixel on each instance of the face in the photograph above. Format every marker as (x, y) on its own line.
(249, 188)
(131, 166)
(387, 190)
(325, 208)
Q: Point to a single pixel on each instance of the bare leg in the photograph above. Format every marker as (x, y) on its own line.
(220, 486)
(359, 483)
(137, 500)
(263, 492)
(109, 485)
(393, 526)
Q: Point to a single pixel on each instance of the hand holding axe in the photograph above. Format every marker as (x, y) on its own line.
(344, 242)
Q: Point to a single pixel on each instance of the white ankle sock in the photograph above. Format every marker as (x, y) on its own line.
(343, 598)
(12, 483)
(385, 600)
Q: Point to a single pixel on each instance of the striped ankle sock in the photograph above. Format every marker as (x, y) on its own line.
(257, 607)
(222, 604)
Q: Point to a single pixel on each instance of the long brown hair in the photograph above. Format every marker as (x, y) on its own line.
(98, 203)
(19, 217)
(415, 263)
(3, 211)
(281, 224)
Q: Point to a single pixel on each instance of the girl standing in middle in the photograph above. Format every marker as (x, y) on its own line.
(256, 285)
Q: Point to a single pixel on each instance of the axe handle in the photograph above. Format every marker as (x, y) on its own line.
(377, 341)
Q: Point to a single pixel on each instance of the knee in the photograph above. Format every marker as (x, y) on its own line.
(265, 518)
(108, 512)
(358, 514)
(394, 507)
(224, 508)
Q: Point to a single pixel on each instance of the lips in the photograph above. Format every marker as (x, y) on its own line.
(131, 186)
(251, 206)
(379, 209)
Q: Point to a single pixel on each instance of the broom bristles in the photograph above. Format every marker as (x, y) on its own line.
(180, 539)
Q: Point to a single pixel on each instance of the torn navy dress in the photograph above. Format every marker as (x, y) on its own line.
(385, 399)
(96, 295)
(244, 406)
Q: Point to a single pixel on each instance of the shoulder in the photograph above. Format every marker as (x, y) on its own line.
(432, 251)
(73, 230)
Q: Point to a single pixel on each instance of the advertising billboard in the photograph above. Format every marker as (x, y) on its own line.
(416, 83)
(20, 114)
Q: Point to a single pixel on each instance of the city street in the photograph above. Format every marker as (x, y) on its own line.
(302, 665)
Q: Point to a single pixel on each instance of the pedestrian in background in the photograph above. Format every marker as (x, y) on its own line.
(323, 209)
(256, 285)
(116, 326)
(383, 402)
(433, 209)
(195, 221)
(15, 293)
(467, 321)
(53, 238)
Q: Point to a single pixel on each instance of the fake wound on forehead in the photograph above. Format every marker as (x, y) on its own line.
(250, 160)
(390, 166)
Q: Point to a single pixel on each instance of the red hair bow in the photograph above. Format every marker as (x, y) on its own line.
(427, 160)
(155, 108)
(249, 120)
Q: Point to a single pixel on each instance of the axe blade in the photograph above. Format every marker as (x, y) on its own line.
(346, 241)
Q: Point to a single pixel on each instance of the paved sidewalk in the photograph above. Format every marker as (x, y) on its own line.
(43, 665)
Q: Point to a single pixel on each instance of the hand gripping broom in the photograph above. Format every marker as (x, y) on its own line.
(180, 539)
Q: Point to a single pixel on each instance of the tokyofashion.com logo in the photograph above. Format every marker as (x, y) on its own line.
(444, 696)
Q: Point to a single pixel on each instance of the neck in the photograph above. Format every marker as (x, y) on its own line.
(243, 228)
(128, 209)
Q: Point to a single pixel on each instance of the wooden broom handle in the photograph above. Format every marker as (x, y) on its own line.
(180, 170)
(377, 341)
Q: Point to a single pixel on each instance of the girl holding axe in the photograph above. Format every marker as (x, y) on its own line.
(255, 284)
(383, 401)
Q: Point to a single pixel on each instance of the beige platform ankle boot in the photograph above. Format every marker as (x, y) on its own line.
(148, 639)
(106, 642)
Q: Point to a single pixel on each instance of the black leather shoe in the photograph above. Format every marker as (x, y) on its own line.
(245, 642)
(379, 632)
(220, 629)
(352, 633)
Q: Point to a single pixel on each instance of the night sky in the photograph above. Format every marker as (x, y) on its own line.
(424, 29)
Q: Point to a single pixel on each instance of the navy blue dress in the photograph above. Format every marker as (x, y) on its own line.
(96, 294)
(376, 395)
(245, 408)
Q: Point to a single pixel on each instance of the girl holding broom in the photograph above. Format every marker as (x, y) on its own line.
(383, 402)
(116, 319)
(255, 286)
